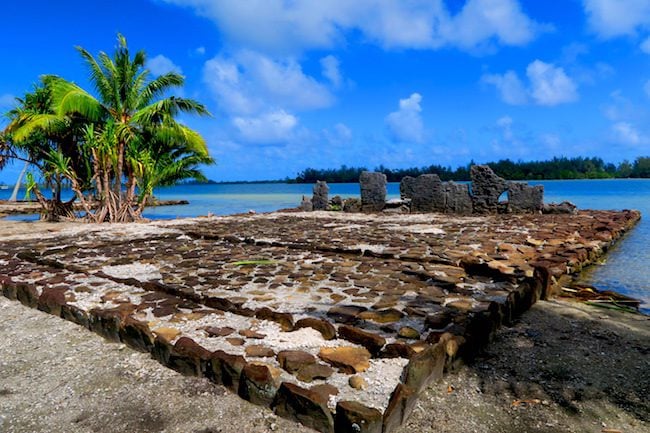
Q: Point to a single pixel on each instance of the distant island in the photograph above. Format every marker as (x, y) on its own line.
(553, 169)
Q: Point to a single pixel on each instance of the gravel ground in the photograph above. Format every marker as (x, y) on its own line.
(580, 369)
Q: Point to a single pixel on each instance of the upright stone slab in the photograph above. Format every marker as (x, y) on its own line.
(406, 187)
(524, 198)
(320, 199)
(373, 191)
(486, 189)
(306, 204)
(457, 198)
(428, 194)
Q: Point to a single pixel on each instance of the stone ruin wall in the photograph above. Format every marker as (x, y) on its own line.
(427, 193)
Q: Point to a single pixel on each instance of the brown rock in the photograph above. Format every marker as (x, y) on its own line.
(166, 333)
(400, 405)
(325, 390)
(370, 341)
(314, 371)
(136, 334)
(326, 329)
(348, 360)
(397, 350)
(213, 331)
(294, 360)
(390, 315)
(305, 406)
(352, 416)
(259, 351)
(52, 299)
(425, 367)
(258, 384)
(408, 332)
(227, 368)
(357, 382)
(345, 313)
(249, 333)
(235, 341)
(188, 357)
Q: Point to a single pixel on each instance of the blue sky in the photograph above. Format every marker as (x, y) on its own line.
(303, 83)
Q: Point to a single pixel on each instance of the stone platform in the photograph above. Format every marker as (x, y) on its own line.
(331, 319)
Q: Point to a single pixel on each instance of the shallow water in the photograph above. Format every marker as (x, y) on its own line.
(626, 269)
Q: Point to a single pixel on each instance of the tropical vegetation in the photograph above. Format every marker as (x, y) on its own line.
(111, 147)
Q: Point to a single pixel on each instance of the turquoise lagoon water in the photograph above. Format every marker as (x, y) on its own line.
(626, 269)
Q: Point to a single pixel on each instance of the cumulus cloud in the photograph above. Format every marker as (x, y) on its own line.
(627, 134)
(510, 87)
(331, 70)
(405, 124)
(281, 26)
(339, 134)
(547, 85)
(160, 65)
(610, 18)
(268, 128)
(550, 85)
(250, 82)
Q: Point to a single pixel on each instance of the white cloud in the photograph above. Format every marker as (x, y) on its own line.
(200, 51)
(160, 65)
(510, 87)
(268, 128)
(281, 27)
(549, 84)
(626, 133)
(610, 18)
(339, 134)
(250, 82)
(405, 124)
(331, 70)
(645, 45)
(7, 100)
(505, 123)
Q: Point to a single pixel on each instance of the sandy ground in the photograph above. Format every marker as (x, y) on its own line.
(581, 370)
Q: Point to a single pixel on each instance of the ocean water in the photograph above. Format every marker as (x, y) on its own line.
(625, 270)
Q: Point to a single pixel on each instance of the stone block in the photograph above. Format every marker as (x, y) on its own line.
(294, 360)
(373, 191)
(136, 334)
(428, 194)
(258, 384)
(352, 416)
(369, 340)
(320, 199)
(189, 358)
(285, 320)
(407, 187)
(457, 198)
(27, 294)
(425, 367)
(227, 368)
(326, 329)
(305, 406)
(52, 299)
(352, 205)
(524, 198)
(306, 204)
(347, 359)
(487, 187)
(400, 406)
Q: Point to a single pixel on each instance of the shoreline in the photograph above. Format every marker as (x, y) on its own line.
(529, 270)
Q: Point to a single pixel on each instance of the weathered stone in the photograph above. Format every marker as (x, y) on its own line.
(369, 340)
(357, 382)
(314, 371)
(336, 203)
(487, 187)
(345, 313)
(397, 350)
(259, 351)
(227, 368)
(408, 332)
(285, 320)
(407, 187)
(258, 384)
(373, 191)
(352, 416)
(457, 198)
(347, 359)
(326, 329)
(250, 333)
(235, 341)
(27, 294)
(305, 406)
(524, 198)
(189, 358)
(400, 405)
(52, 299)
(294, 360)
(136, 334)
(352, 205)
(214, 331)
(428, 194)
(306, 204)
(425, 367)
(320, 199)
(566, 207)
(390, 315)
(325, 390)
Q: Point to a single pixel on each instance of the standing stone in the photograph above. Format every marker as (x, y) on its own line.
(428, 194)
(457, 198)
(320, 199)
(373, 191)
(524, 198)
(487, 187)
(406, 187)
(306, 205)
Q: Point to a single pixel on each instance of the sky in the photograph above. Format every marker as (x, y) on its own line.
(293, 84)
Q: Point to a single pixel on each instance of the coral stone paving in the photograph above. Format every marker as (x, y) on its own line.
(331, 319)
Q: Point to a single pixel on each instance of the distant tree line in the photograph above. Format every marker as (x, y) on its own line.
(556, 168)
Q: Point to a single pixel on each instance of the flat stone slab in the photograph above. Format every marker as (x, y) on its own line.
(285, 308)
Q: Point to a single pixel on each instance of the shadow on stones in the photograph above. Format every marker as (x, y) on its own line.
(564, 355)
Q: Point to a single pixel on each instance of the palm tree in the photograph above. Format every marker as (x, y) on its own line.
(131, 141)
